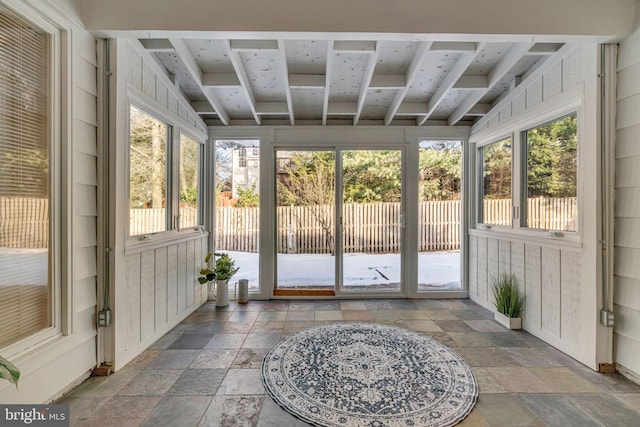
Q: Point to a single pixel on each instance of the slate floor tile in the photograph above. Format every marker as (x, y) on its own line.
(610, 411)
(173, 359)
(505, 410)
(557, 410)
(191, 341)
(226, 341)
(242, 382)
(194, 382)
(214, 359)
(520, 380)
(227, 411)
(121, 411)
(178, 411)
(151, 383)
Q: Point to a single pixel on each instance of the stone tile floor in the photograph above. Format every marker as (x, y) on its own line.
(206, 371)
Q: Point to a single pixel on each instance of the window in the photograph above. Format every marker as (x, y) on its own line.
(496, 183)
(189, 179)
(551, 175)
(25, 181)
(147, 173)
(242, 157)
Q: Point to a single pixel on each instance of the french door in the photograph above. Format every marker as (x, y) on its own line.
(339, 221)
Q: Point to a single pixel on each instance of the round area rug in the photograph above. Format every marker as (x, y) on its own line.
(364, 374)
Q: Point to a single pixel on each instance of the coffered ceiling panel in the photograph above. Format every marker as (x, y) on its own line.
(324, 80)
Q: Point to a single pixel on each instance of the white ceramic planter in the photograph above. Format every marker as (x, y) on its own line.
(508, 322)
(222, 293)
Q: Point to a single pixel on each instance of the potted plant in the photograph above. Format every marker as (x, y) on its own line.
(508, 301)
(8, 371)
(220, 268)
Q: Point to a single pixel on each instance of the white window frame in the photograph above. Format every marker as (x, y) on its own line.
(176, 127)
(200, 216)
(570, 102)
(60, 245)
(479, 190)
(522, 213)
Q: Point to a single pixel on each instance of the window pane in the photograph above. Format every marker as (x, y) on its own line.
(237, 228)
(189, 178)
(24, 180)
(551, 175)
(147, 173)
(496, 183)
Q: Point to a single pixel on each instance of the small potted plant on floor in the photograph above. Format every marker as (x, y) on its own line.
(220, 268)
(508, 301)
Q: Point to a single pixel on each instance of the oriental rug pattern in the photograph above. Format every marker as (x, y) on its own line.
(365, 374)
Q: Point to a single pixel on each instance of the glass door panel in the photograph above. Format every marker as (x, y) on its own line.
(305, 220)
(371, 220)
(439, 215)
(237, 183)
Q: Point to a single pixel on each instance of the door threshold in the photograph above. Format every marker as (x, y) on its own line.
(303, 293)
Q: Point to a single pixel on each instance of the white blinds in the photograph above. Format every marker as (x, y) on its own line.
(24, 179)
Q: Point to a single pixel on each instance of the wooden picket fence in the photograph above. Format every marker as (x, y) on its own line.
(542, 213)
(367, 227)
(24, 222)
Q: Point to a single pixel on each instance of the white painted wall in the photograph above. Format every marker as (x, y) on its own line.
(627, 209)
(153, 283)
(49, 367)
(560, 277)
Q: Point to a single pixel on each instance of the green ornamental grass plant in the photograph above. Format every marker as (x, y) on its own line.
(8, 371)
(508, 300)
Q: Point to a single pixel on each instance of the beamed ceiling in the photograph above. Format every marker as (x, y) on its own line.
(353, 82)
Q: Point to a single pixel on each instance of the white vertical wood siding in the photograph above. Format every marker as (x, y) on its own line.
(155, 285)
(560, 281)
(626, 294)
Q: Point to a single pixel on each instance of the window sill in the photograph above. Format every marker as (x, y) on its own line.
(153, 241)
(569, 240)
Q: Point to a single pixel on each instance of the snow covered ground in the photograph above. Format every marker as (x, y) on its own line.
(436, 270)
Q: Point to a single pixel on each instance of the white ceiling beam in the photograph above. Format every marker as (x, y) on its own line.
(220, 80)
(479, 110)
(196, 73)
(471, 83)
(412, 73)
(507, 62)
(366, 81)
(253, 45)
(388, 81)
(327, 82)
(544, 48)
(202, 108)
(449, 81)
(412, 109)
(453, 47)
(347, 46)
(527, 79)
(307, 81)
(342, 108)
(157, 45)
(282, 53)
(280, 108)
(245, 84)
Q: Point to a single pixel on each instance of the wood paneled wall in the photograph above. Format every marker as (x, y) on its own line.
(560, 278)
(155, 282)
